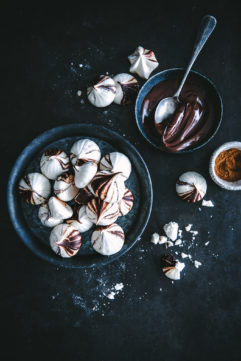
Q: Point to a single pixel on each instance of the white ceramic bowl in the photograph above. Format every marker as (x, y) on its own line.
(231, 186)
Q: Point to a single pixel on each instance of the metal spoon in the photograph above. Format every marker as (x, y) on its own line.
(168, 106)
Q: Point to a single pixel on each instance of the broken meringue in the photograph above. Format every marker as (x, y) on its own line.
(143, 62)
(116, 162)
(101, 91)
(172, 268)
(80, 220)
(65, 240)
(127, 88)
(102, 213)
(191, 187)
(171, 230)
(54, 162)
(64, 187)
(83, 151)
(108, 186)
(108, 240)
(126, 203)
(35, 188)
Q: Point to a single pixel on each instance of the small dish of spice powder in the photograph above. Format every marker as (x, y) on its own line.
(225, 166)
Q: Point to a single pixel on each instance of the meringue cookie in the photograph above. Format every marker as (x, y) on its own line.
(116, 162)
(64, 187)
(101, 91)
(65, 240)
(84, 150)
(59, 209)
(127, 88)
(108, 240)
(84, 196)
(54, 162)
(172, 268)
(35, 188)
(80, 220)
(84, 174)
(108, 186)
(102, 213)
(191, 187)
(45, 217)
(143, 62)
(126, 203)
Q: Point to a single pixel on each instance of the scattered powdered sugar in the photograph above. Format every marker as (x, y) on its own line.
(197, 264)
(188, 227)
(207, 203)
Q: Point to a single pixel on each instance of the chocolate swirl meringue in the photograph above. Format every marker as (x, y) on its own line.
(64, 187)
(143, 62)
(126, 203)
(65, 240)
(102, 213)
(108, 186)
(54, 162)
(127, 88)
(80, 220)
(101, 91)
(172, 268)
(116, 162)
(84, 150)
(191, 187)
(35, 188)
(46, 218)
(108, 240)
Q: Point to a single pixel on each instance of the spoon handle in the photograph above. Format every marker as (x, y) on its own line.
(207, 26)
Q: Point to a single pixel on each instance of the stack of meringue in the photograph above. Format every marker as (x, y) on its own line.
(87, 190)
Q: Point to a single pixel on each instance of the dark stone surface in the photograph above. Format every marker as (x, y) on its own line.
(48, 312)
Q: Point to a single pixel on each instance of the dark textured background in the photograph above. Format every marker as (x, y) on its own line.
(48, 312)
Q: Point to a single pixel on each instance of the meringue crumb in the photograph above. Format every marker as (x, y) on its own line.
(119, 286)
(207, 203)
(178, 242)
(184, 255)
(155, 238)
(194, 232)
(169, 244)
(197, 264)
(180, 233)
(171, 230)
(162, 239)
(207, 243)
(188, 228)
(111, 296)
(79, 92)
(81, 65)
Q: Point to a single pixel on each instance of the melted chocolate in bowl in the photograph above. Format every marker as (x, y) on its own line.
(195, 120)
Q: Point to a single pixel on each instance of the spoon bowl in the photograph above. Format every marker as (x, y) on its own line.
(165, 109)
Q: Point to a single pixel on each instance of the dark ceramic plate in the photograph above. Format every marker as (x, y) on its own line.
(25, 217)
(170, 74)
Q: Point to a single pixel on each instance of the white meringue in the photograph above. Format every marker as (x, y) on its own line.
(35, 188)
(64, 187)
(116, 162)
(81, 221)
(126, 203)
(54, 162)
(126, 88)
(84, 150)
(45, 217)
(101, 91)
(191, 187)
(65, 240)
(108, 240)
(102, 213)
(84, 174)
(108, 186)
(59, 209)
(143, 62)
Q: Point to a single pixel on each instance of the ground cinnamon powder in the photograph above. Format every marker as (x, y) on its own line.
(228, 165)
